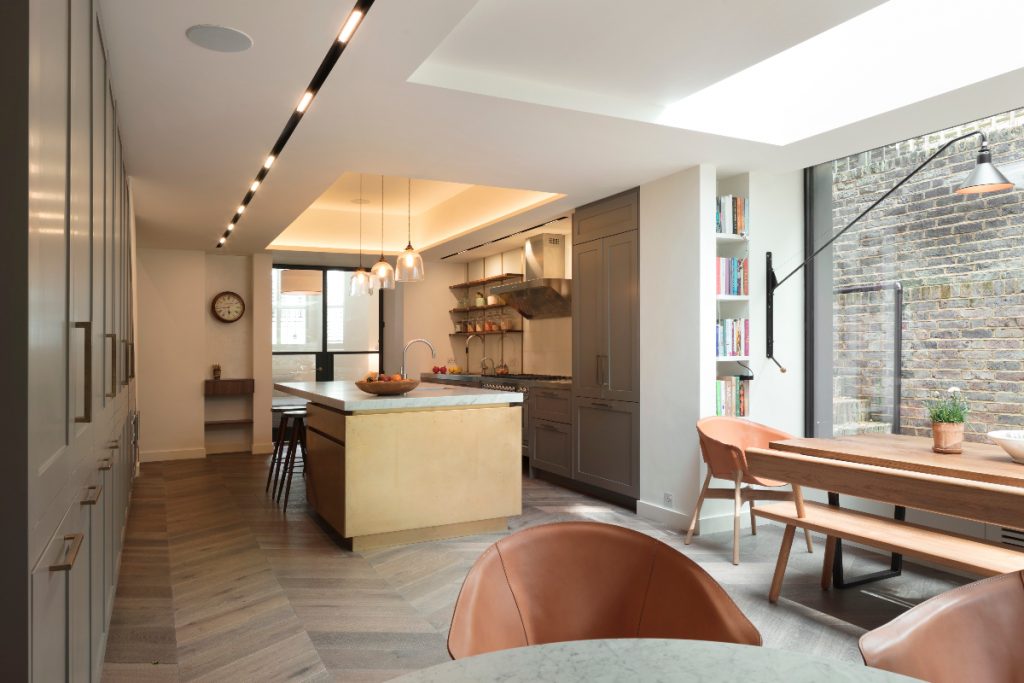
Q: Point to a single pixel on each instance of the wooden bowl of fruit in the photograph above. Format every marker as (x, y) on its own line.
(386, 385)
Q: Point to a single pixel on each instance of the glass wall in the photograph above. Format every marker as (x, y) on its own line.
(923, 294)
(321, 332)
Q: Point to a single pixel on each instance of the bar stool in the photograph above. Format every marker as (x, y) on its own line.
(280, 443)
(296, 440)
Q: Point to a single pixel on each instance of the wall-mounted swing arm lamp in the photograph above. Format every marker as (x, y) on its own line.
(984, 178)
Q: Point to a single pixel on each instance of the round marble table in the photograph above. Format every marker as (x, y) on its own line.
(645, 660)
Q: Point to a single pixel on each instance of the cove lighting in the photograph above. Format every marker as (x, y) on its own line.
(322, 72)
(350, 26)
(896, 54)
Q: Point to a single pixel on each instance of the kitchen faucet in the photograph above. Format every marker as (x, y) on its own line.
(469, 339)
(405, 351)
(483, 365)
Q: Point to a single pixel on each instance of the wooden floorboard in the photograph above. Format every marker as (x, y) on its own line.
(218, 583)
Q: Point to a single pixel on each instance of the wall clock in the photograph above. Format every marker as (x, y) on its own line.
(228, 307)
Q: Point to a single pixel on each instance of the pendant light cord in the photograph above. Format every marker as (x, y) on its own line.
(382, 217)
(408, 214)
(360, 221)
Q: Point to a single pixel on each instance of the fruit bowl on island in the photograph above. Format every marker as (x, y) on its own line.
(386, 385)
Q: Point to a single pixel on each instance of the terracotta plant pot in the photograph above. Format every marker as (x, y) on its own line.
(948, 437)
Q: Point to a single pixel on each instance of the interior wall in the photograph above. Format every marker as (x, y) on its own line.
(180, 340)
(676, 315)
(425, 307)
(171, 362)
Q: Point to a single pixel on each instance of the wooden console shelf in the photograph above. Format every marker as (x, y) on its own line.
(229, 387)
(227, 423)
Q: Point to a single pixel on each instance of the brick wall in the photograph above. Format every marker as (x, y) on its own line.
(960, 261)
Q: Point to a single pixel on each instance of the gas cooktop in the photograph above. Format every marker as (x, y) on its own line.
(528, 376)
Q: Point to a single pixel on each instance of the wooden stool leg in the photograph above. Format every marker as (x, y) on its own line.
(278, 448)
(737, 509)
(696, 511)
(289, 459)
(280, 456)
(780, 566)
(298, 427)
(807, 537)
(826, 567)
(753, 519)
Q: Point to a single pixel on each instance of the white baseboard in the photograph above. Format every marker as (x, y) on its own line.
(174, 454)
(667, 516)
(263, 448)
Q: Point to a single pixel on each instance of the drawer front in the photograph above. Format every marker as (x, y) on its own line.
(551, 447)
(327, 421)
(606, 445)
(551, 404)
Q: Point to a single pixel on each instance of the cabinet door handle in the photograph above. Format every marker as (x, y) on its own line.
(113, 364)
(105, 464)
(86, 415)
(600, 405)
(124, 343)
(597, 369)
(71, 554)
(92, 495)
(547, 427)
(548, 394)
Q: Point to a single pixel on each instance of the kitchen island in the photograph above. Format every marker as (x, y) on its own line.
(438, 462)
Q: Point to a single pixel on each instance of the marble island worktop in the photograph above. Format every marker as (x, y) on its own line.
(347, 397)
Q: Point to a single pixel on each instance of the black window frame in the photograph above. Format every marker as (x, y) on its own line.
(323, 316)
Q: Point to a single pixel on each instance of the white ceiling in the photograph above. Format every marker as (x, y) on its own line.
(198, 124)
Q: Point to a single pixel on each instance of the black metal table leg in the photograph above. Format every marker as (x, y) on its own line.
(895, 563)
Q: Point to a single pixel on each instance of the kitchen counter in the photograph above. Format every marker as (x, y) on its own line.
(472, 379)
(347, 397)
(438, 462)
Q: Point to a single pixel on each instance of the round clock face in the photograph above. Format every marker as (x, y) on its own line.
(228, 307)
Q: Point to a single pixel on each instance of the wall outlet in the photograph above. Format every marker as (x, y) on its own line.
(667, 499)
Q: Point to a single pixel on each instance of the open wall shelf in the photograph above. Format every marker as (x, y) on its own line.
(485, 281)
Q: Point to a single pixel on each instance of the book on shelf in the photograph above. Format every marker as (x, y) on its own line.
(732, 396)
(732, 276)
(732, 337)
(732, 215)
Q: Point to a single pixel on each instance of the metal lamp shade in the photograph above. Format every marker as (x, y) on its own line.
(985, 177)
(384, 273)
(410, 266)
(306, 282)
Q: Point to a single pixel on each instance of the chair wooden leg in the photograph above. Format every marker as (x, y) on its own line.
(780, 566)
(696, 511)
(278, 448)
(753, 519)
(807, 537)
(297, 429)
(284, 433)
(826, 567)
(737, 509)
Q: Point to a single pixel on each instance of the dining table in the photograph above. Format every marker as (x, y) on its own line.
(979, 463)
(649, 659)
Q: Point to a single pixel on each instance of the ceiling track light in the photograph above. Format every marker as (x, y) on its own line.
(352, 22)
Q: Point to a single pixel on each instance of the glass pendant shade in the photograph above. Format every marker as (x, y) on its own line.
(985, 177)
(363, 284)
(410, 266)
(384, 274)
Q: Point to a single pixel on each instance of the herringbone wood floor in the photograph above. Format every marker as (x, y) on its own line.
(219, 584)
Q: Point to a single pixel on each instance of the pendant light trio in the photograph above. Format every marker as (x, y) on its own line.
(382, 275)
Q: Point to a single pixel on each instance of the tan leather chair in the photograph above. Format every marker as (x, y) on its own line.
(584, 580)
(971, 633)
(723, 445)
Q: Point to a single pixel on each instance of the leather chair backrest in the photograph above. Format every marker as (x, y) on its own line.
(971, 633)
(724, 441)
(584, 580)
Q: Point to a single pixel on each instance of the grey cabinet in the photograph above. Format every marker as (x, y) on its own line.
(606, 217)
(606, 449)
(606, 318)
(554, 405)
(551, 447)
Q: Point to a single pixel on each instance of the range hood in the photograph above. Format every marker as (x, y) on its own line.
(544, 292)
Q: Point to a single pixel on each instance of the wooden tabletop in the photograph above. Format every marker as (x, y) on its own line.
(979, 461)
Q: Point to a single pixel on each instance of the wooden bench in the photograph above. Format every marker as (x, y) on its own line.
(992, 503)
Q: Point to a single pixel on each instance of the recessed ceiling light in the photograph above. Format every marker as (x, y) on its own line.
(218, 38)
(888, 57)
(307, 97)
(255, 186)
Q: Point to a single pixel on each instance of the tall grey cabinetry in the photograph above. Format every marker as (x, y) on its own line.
(68, 259)
(606, 354)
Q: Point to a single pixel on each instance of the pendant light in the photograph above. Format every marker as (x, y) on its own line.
(362, 282)
(410, 263)
(382, 270)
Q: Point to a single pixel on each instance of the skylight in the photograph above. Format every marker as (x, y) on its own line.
(896, 54)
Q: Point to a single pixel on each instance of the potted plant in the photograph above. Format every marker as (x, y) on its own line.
(948, 416)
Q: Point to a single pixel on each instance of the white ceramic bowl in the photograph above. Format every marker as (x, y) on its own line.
(1012, 441)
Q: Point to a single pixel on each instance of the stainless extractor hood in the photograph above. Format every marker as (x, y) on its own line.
(544, 292)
